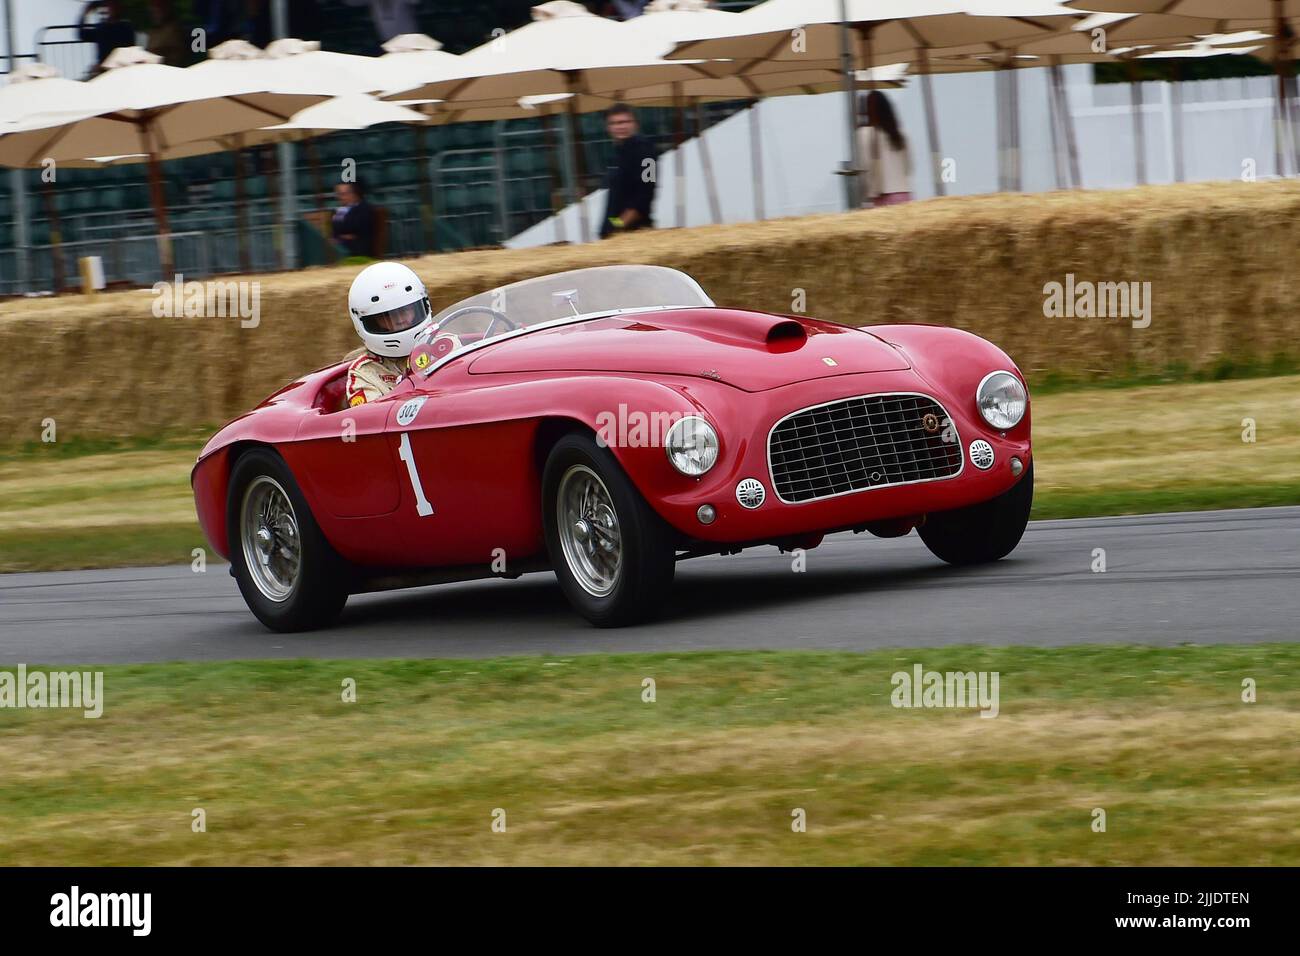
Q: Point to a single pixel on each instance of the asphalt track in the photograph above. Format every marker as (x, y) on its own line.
(1206, 577)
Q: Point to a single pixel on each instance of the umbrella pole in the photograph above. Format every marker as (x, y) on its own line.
(554, 162)
(1283, 132)
(318, 189)
(275, 188)
(241, 208)
(56, 239)
(1291, 120)
(578, 168)
(679, 157)
(852, 190)
(1013, 102)
(1053, 124)
(317, 186)
(706, 166)
(166, 263)
(426, 187)
(1176, 117)
(756, 160)
(1139, 128)
(1000, 109)
(931, 125)
(1067, 124)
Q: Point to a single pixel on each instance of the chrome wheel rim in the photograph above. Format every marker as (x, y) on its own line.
(588, 529)
(271, 543)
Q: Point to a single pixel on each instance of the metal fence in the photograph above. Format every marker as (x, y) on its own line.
(62, 47)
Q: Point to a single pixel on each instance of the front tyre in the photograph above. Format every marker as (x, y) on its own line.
(613, 556)
(290, 577)
(984, 532)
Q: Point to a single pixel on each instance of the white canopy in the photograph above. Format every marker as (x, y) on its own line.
(139, 105)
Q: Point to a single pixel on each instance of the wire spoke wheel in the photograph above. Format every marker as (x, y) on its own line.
(270, 538)
(589, 531)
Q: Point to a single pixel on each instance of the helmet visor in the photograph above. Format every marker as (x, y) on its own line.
(401, 319)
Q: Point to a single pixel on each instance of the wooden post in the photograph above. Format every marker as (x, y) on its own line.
(56, 237)
(1139, 126)
(706, 165)
(931, 124)
(1067, 122)
(166, 261)
(579, 167)
(241, 208)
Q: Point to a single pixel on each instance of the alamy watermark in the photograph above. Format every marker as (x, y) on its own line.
(78, 690)
(922, 688)
(635, 428)
(208, 300)
(1085, 299)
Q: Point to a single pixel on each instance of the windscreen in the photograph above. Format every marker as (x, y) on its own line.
(580, 292)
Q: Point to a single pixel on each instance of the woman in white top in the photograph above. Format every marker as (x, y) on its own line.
(887, 162)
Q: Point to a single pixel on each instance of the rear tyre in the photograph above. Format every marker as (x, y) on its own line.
(613, 556)
(983, 532)
(290, 577)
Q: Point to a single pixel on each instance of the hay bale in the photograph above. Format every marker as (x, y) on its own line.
(1219, 256)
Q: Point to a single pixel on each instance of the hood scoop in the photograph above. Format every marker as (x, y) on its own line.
(750, 350)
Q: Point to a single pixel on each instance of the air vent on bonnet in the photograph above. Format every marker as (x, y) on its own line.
(788, 333)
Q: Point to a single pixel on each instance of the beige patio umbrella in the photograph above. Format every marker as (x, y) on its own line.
(1281, 18)
(139, 105)
(36, 88)
(354, 111)
(564, 50)
(1101, 38)
(863, 33)
(410, 60)
(289, 66)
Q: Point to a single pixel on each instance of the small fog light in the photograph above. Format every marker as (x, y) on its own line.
(1017, 466)
(706, 514)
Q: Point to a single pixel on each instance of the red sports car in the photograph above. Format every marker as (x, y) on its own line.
(607, 423)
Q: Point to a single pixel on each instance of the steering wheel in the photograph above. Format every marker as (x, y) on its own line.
(501, 317)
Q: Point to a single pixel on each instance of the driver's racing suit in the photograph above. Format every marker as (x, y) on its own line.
(372, 376)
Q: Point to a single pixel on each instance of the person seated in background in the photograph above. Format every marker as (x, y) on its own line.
(353, 225)
(631, 176)
(887, 174)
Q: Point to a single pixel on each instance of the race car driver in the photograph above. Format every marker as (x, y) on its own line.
(390, 309)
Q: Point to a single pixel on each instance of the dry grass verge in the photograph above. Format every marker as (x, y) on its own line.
(710, 773)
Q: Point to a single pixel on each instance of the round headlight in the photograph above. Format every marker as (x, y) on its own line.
(692, 446)
(1002, 400)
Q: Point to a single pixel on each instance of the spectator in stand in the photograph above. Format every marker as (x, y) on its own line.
(353, 225)
(167, 37)
(631, 176)
(886, 177)
(392, 17)
(108, 30)
(621, 9)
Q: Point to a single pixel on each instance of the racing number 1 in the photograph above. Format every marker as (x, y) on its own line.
(422, 506)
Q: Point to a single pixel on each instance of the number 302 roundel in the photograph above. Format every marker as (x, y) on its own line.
(406, 414)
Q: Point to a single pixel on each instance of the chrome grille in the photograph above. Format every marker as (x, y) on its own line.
(860, 443)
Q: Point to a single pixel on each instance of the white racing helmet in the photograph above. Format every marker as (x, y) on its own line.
(389, 308)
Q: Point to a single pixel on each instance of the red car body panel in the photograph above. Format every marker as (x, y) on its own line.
(480, 438)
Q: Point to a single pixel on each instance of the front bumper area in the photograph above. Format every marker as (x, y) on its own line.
(744, 426)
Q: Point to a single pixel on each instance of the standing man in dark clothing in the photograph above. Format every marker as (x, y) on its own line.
(632, 174)
(109, 32)
(353, 224)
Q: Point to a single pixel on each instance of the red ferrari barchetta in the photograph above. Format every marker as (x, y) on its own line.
(605, 424)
